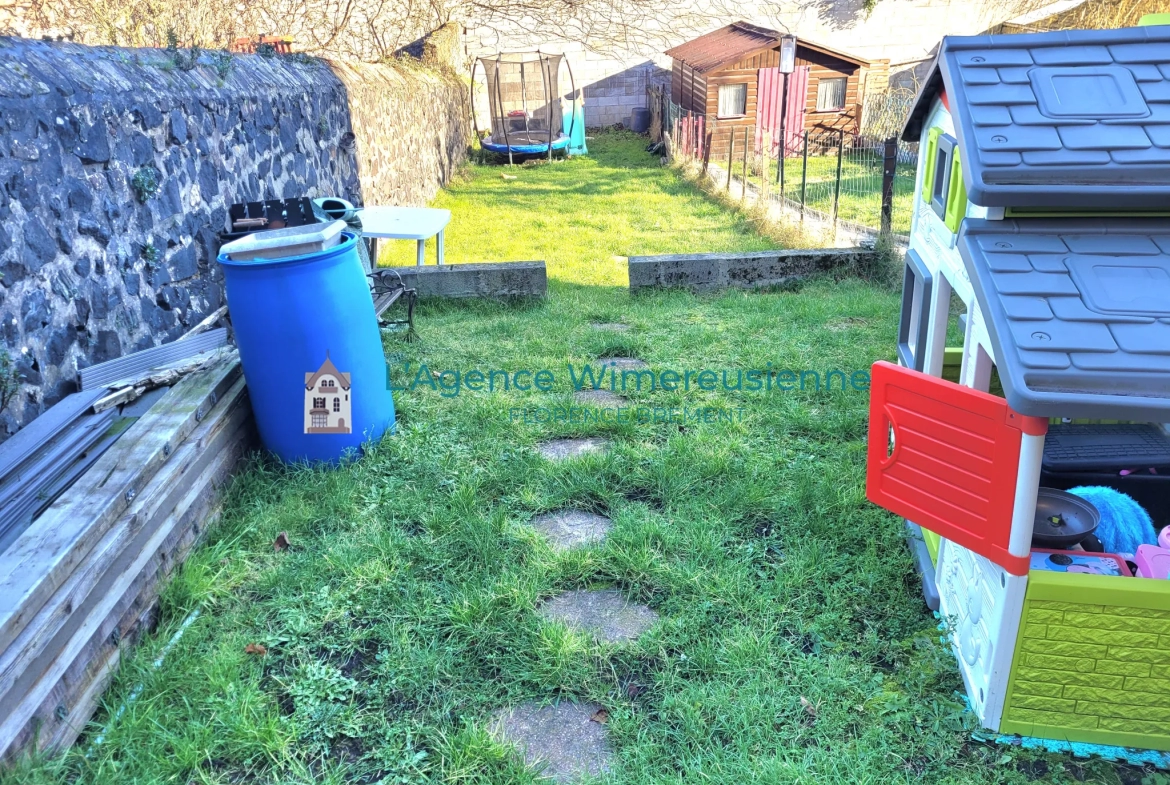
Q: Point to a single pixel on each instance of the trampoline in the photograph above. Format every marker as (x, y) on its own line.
(527, 110)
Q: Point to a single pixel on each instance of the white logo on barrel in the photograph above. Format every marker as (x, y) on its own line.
(327, 404)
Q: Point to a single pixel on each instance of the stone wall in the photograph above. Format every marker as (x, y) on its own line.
(96, 262)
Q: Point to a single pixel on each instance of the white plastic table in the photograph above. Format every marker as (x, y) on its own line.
(406, 223)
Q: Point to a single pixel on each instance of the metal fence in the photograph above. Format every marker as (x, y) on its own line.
(842, 181)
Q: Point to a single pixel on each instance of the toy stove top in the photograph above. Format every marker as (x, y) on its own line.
(1078, 312)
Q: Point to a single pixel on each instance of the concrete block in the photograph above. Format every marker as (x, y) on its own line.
(496, 280)
(712, 271)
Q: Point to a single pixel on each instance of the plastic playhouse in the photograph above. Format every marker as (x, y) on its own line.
(1042, 210)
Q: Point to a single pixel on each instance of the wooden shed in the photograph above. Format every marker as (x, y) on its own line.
(731, 76)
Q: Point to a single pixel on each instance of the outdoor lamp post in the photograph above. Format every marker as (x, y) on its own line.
(787, 66)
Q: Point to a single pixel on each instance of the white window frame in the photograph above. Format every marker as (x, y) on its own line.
(742, 88)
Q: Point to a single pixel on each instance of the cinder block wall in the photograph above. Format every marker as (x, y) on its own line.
(615, 73)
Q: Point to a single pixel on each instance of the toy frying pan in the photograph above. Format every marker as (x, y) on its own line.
(1062, 519)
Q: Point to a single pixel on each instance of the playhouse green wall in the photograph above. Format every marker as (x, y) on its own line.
(1092, 661)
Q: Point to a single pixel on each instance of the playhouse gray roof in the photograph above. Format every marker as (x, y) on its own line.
(1078, 118)
(1078, 311)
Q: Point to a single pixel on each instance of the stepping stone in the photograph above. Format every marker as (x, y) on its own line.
(572, 528)
(616, 327)
(624, 363)
(563, 449)
(599, 398)
(562, 742)
(607, 614)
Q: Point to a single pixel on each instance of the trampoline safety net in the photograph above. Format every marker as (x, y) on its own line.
(523, 97)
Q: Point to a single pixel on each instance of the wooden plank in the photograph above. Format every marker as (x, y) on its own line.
(42, 558)
(64, 611)
(163, 376)
(31, 688)
(206, 324)
(80, 689)
(129, 365)
(67, 707)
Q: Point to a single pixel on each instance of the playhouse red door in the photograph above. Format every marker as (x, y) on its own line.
(946, 457)
(770, 106)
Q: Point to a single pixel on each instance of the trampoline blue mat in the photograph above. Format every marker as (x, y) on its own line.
(559, 143)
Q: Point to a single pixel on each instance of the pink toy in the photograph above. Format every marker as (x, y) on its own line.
(1152, 561)
(1164, 538)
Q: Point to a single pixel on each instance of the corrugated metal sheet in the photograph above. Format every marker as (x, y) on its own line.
(44, 428)
(131, 365)
(34, 485)
(724, 46)
(733, 43)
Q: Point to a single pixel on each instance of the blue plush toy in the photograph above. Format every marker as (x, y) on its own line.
(1124, 523)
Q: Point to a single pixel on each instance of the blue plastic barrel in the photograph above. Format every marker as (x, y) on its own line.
(311, 351)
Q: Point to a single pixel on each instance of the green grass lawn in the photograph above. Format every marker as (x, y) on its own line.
(578, 215)
(793, 645)
(860, 196)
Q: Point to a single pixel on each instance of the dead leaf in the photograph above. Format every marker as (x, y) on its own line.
(809, 708)
(281, 542)
(256, 648)
(507, 177)
(634, 690)
(601, 717)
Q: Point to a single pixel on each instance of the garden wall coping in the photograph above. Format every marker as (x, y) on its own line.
(712, 271)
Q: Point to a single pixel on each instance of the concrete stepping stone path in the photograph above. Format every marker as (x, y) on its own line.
(599, 398)
(563, 449)
(607, 614)
(572, 528)
(624, 363)
(566, 742)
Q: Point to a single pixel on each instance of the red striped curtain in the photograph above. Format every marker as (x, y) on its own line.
(769, 90)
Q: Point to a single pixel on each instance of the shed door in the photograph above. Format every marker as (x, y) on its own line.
(769, 97)
(947, 457)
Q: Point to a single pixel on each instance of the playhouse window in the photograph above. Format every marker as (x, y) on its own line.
(940, 181)
(732, 100)
(831, 94)
(916, 291)
(942, 186)
(336, 404)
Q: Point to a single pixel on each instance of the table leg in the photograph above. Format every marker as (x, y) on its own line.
(373, 252)
(420, 261)
(439, 250)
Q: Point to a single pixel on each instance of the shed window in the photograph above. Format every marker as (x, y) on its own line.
(732, 100)
(831, 94)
